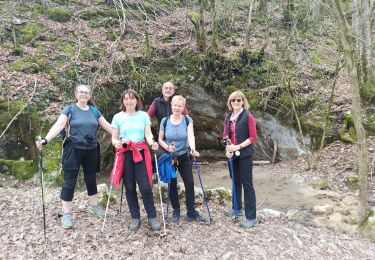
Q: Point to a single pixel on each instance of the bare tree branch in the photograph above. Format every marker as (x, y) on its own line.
(19, 112)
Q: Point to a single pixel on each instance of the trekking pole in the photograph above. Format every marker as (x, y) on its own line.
(234, 193)
(168, 194)
(204, 193)
(122, 192)
(122, 186)
(161, 199)
(110, 190)
(40, 155)
(169, 185)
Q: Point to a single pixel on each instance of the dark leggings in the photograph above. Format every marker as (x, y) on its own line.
(183, 165)
(88, 160)
(136, 173)
(243, 176)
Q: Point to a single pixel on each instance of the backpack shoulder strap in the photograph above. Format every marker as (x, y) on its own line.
(95, 111)
(67, 126)
(186, 120)
(168, 117)
(71, 111)
(166, 121)
(165, 124)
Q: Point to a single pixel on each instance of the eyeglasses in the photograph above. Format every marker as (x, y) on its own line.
(83, 92)
(238, 100)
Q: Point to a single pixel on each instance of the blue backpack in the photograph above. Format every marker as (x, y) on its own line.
(169, 117)
(93, 109)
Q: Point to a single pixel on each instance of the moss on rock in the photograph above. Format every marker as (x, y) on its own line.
(60, 14)
(367, 91)
(52, 162)
(30, 31)
(369, 121)
(89, 14)
(352, 182)
(20, 169)
(347, 132)
(8, 110)
(30, 65)
(324, 184)
(253, 98)
(112, 200)
(368, 227)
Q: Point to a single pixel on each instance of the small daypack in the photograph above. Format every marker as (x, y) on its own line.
(161, 150)
(169, 117)
(66, 131)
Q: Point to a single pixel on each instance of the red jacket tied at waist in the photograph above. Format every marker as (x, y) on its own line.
(118, 165)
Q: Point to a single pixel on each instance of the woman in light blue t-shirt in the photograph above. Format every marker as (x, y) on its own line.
(176, 137)
(131, 134)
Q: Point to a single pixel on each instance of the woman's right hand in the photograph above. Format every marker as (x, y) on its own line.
(171, 148)
(39, 144)
(229, 154)
(117, 144)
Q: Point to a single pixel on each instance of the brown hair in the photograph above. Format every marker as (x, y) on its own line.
(131, 93)
(237, 94)
(90, 101)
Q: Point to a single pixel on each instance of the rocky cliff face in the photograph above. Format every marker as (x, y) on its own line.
(208, 112)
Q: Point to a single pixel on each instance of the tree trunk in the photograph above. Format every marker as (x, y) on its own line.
(288, 13)
(214, 26)
(357, 34)
(356, 28)
(202, 35)
(198, 21)
(328, 112)
(362, 159)
(298, 121)
(248, 29)
(264, 6)
(367, 40)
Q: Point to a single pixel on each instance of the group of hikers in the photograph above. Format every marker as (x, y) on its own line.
(131, 137)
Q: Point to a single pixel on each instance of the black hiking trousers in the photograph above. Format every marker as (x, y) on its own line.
(88, 160)
(243, 177)
(184, 167)
(136, 173)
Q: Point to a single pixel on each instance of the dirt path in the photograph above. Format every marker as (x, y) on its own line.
(274, 188)
(21, 232)
(273, 238)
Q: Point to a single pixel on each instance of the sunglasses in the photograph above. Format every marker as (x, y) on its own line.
(83, 92)
(238, 100)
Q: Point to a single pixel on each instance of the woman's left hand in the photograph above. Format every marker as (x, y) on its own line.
(155, 146)
(232, 148)
(194, 153)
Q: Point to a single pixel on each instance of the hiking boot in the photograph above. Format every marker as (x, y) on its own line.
(67, 220)
(197, 218)
(176, 215)
(154, 223)
(134, 224)
(98, 210)
(231, 213)
(248, 223)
